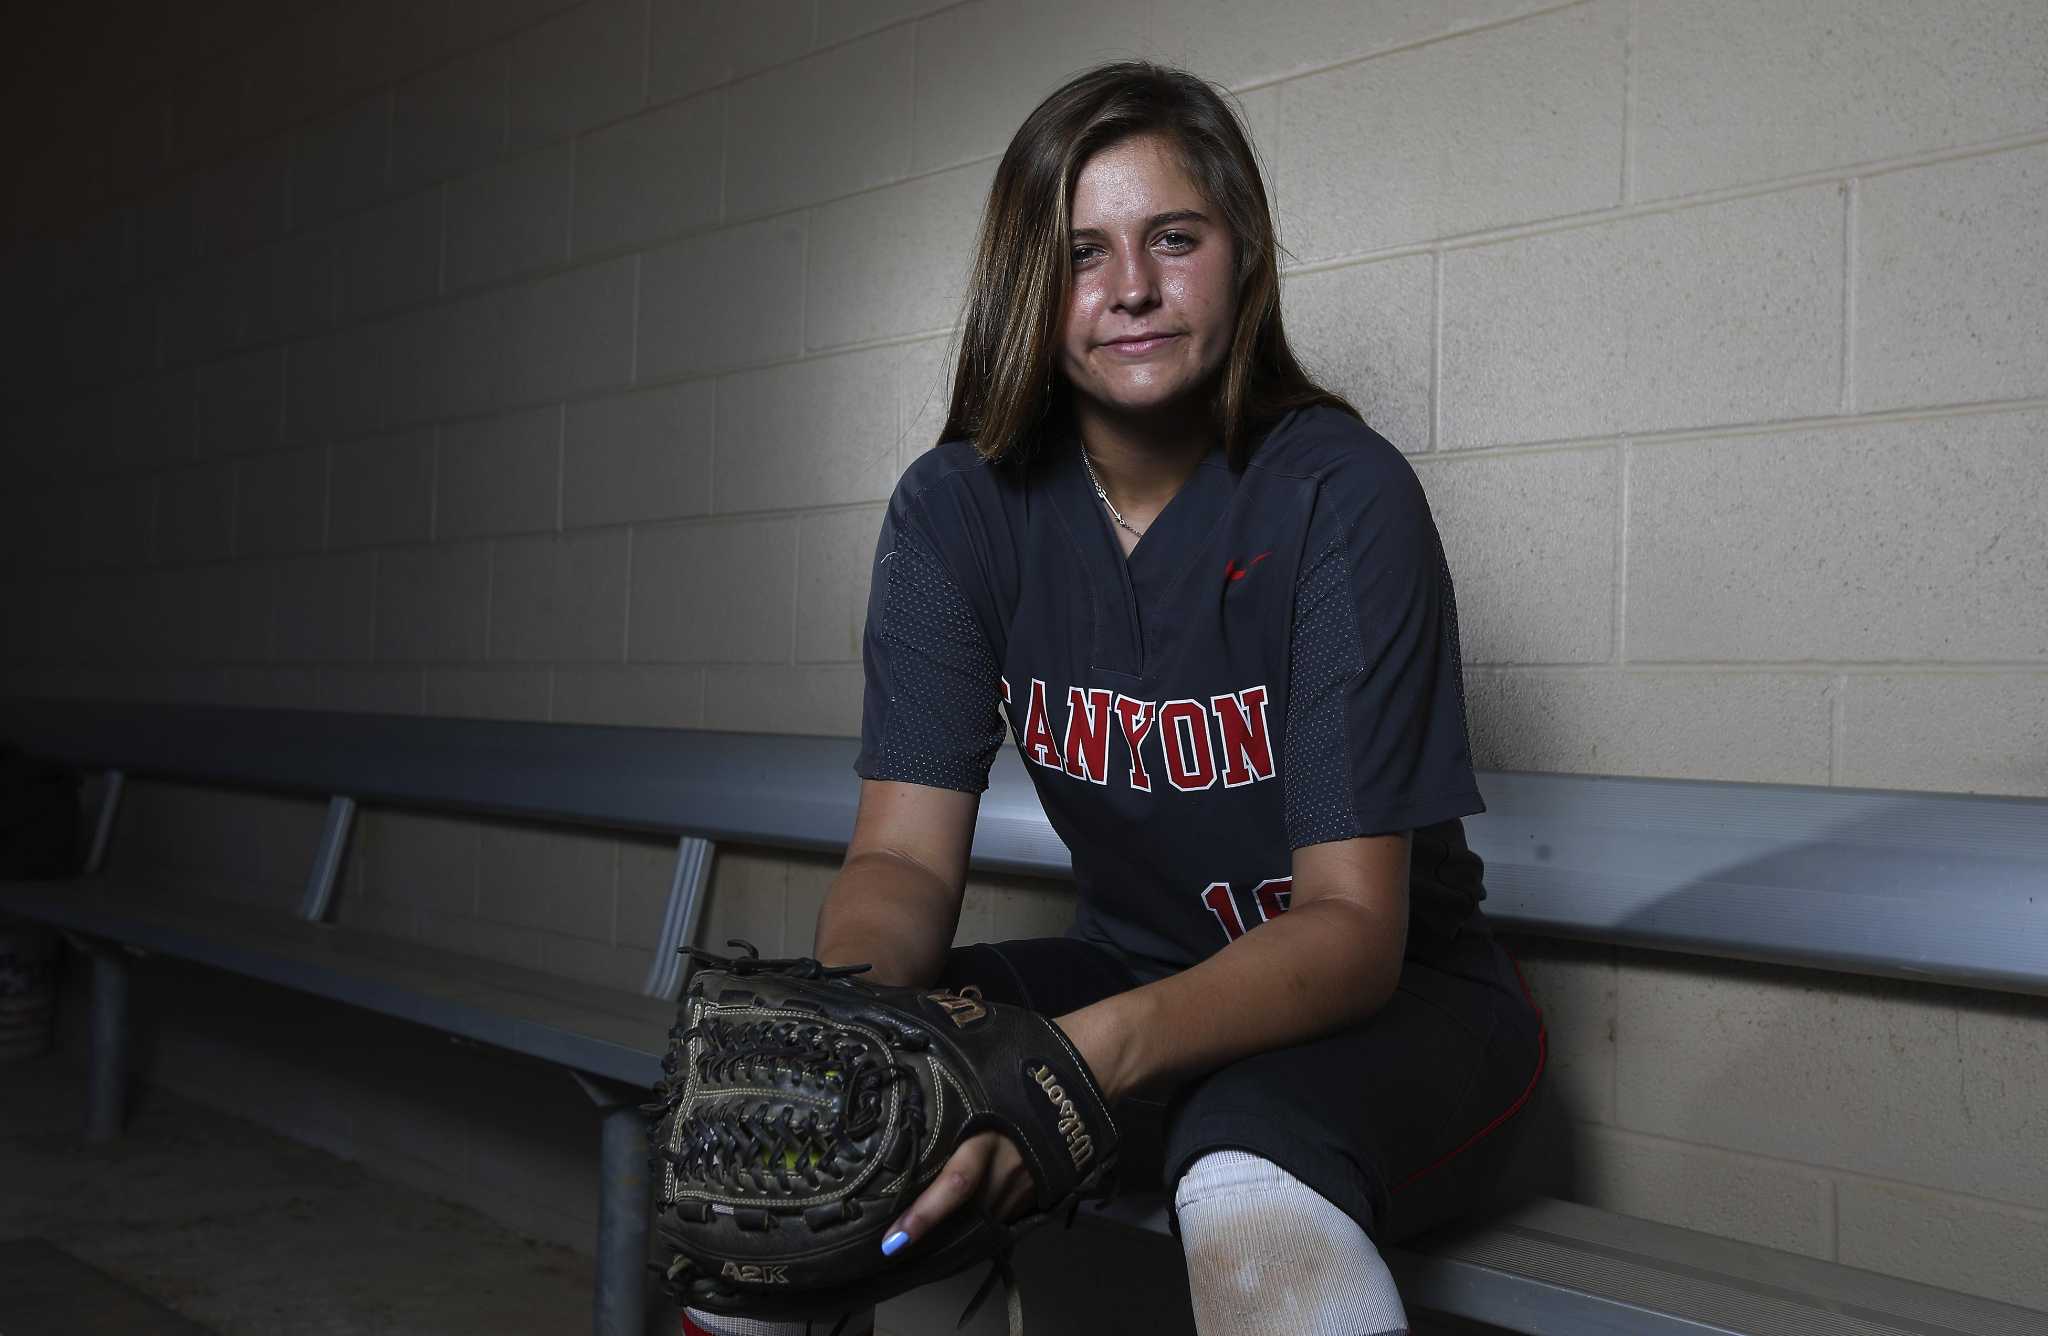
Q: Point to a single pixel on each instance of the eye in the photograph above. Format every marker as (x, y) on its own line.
(1183, 242)
(1080, 252)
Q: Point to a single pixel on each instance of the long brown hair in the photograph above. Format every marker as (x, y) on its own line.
(1006, 395)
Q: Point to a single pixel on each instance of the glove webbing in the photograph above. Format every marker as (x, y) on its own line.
(739, 1143)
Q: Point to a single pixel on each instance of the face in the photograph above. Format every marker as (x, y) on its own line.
(1151, 257)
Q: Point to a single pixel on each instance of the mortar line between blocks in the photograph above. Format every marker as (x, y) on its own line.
(1851, 194)
(646, 54)
(626, 631)
(910, 139)
(803, 287)
(575, 150)
(724, 154)
(1622, 483)
(1843, 668)
(1755, 427)
(1628, 97)
(2020, 1209)
(1436, 351)
(796, 589)
(1840, 685)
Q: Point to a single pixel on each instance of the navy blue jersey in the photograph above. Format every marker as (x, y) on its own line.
(1274, 665)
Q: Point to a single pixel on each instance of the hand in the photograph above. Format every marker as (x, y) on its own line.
(987, 1166)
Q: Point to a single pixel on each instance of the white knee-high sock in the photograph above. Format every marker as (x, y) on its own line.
(1267, 1253)
(696, 1323)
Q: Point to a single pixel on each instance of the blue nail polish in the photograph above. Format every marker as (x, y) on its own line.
(894, 1243)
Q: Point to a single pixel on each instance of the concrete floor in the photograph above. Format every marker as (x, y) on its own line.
(242, 1231)
(246, 1233)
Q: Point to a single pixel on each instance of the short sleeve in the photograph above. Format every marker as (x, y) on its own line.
(929, 713)
(1376, 739)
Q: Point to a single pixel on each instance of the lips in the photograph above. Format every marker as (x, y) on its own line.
(1139, 345)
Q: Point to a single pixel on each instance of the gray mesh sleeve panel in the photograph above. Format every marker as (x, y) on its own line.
(930, 712)
(1376, 735)
(1323, 656)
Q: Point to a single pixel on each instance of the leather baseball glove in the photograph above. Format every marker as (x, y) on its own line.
(803, 1112)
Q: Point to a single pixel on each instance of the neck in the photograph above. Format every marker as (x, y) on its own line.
(1143, 460)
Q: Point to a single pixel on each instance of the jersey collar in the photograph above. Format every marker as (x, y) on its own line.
(1134, 597)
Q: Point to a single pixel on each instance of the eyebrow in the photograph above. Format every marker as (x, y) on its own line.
(1156, 220)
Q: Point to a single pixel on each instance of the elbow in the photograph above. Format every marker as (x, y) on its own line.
(1374, 944)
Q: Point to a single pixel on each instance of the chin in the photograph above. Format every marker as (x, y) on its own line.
(1142, 398)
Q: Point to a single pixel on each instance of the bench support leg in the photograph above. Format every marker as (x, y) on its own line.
(107, 1090)
(622, 1209)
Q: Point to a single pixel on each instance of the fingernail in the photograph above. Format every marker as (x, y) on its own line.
(894, 1243)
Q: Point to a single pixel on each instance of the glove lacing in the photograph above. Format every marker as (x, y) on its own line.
(749, 1144)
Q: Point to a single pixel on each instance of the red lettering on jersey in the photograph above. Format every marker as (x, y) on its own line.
(1216, 895)
(1038, 739)
(1247, 750)
(1137, 717)
(1273, 895)
(1184, 737)
(1088, 733)
(1006, 689)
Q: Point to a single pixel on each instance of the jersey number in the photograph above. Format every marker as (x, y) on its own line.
(1270, 895)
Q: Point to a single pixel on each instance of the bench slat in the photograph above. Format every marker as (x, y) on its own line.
(1940, 887)
(1558, 1266)
(606, 1032)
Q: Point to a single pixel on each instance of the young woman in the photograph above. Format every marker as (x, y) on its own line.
(1212, 605)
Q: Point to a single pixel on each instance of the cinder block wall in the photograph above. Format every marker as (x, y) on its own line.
(550, 361)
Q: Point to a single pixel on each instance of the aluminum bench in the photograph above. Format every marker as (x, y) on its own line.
(1928, 886)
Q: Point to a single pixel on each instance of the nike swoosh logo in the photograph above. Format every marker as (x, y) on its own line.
(1233, 571)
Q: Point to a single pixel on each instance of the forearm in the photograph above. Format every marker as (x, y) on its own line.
(1310, 971)
(890, 911)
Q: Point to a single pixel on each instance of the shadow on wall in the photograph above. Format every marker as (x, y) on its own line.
(1783, 1048)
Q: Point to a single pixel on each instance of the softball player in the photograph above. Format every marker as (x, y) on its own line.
(1208, 605)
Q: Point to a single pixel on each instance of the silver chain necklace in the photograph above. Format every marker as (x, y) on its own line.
(1096, 482)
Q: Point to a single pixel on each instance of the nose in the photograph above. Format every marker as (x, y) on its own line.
(1137, 280)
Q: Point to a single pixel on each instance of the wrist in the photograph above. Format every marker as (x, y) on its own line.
(1109, 1036)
